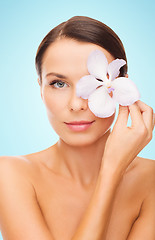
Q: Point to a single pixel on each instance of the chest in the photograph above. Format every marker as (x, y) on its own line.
(63, 205)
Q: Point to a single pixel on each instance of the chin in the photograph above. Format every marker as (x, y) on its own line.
(78, 142)
(82, 140)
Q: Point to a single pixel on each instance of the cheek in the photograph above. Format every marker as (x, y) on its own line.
(55, 103)
(105, 123)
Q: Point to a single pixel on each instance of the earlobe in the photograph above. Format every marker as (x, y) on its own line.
(126, 75)
(38, 80)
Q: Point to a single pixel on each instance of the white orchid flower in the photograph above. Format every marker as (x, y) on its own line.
(103, 80)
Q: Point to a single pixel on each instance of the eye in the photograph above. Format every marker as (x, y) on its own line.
(58, 84)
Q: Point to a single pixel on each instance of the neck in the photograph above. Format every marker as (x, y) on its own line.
(81, 163)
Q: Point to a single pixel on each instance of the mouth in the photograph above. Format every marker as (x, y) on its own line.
(79, 125)
(79, 122)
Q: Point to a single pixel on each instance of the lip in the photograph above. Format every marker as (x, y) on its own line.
(79, 125)
(79, 122)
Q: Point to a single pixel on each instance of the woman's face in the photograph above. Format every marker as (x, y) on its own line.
(68, 58)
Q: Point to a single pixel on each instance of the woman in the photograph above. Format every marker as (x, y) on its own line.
(90, 185)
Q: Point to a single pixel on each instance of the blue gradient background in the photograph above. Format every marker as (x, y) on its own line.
(24, 127)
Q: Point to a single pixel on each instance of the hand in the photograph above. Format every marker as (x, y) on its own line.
(124, 143)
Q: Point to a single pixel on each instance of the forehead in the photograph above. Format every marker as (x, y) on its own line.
(69, 56)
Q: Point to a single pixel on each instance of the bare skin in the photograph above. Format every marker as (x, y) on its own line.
(90, 185)
(62, 201)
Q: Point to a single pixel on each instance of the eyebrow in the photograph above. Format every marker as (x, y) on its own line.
(56, 74)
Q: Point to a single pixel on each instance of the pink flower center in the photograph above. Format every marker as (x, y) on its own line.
(110, 89)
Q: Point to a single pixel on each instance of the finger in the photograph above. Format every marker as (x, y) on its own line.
(136, 116)
(147, 114)
(123, 115)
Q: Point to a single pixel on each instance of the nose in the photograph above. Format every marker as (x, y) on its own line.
(77, 103)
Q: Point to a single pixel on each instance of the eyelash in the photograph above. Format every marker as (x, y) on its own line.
(56, 81)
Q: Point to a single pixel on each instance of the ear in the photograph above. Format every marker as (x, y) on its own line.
(38, 80)
(126, 75)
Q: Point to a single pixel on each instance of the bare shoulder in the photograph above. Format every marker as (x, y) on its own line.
(15, 164)
(140, 178)
(19, 208)
(143, 227)
(146, 165)
(28, 166)
(145, 170)
(16, 171)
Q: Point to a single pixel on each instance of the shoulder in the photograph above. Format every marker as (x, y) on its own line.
(24, 163)
(146, 166)
(15, 164)
(143, 227)
(145, 173)
(19, 207)
(142, 166)
(15, 172)
(25, 166)
(140, 178)
(18, 170)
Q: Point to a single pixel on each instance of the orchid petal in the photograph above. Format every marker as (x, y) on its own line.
(100, 103)
(114, 68)
(97, 64)
(126, 92)
(86, 85)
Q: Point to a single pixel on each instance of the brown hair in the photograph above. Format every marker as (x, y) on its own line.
(83, 29)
